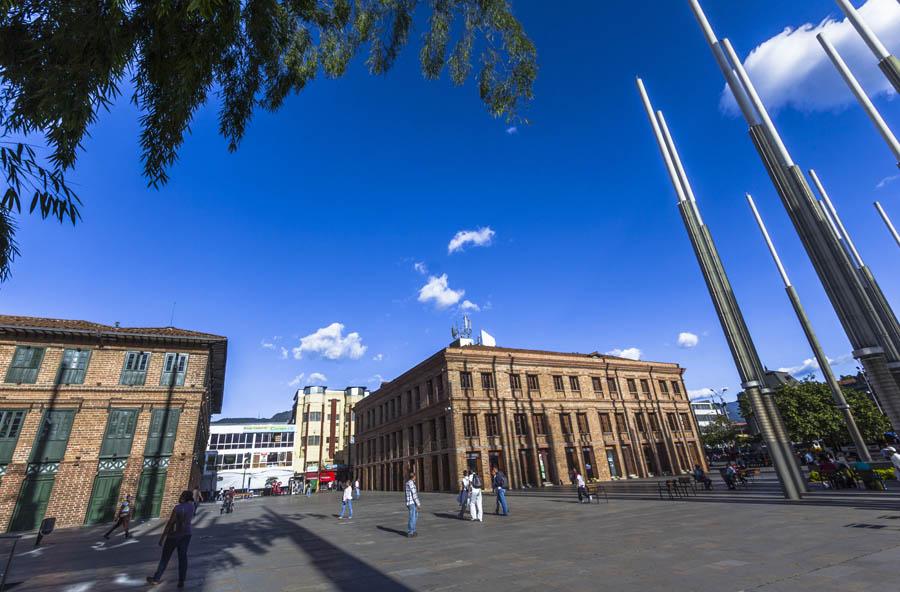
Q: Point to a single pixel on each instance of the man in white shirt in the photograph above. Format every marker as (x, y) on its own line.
(895, 460)
(475, 486)
(347, 502)
(582, 489)
(356, 488)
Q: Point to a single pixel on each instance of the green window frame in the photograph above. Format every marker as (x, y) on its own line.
(74, 365)
(11, 421)
(162, 431)
(174, 369)
(25, 365)
(52, 436)
(120, 428)
(134, 369)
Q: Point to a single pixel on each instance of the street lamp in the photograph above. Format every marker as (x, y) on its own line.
(721, 396)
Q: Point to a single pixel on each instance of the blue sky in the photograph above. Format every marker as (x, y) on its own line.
(321, 215)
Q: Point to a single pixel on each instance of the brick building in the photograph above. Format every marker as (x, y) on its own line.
(90, 412)
(537, 415)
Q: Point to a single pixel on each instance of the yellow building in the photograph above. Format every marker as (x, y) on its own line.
(326, 425)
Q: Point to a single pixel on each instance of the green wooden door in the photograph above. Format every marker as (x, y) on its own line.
(32, 504)
(149, 494)
(104, 499)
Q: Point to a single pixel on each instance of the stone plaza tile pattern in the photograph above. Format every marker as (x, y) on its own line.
(724, 541)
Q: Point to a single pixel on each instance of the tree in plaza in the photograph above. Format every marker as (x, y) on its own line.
(719, 432)
(63, 61)
(809, 413)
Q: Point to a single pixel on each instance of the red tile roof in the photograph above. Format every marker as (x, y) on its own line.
(87, 326)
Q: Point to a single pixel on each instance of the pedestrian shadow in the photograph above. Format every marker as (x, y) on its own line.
(446, 515)
(391, 530)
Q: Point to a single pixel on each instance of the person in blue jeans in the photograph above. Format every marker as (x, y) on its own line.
(500, 484)
(347, 501)
(176, 535)
(412, 504)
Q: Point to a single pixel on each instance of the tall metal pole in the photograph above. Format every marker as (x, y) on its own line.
(743, 351)
(877, 297)
(824, 365)
(888, 223)
(861, 96)
(859, 316)
(889, 64)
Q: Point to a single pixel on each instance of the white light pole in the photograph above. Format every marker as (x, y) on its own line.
(888, 222)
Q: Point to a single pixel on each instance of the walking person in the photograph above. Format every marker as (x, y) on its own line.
(500, 484)
(198, 497)
(176, 535)
(476, 511)
(412, 505)
(123, 518)
(582, 488)
(895, 460)
(356, 488)
(347, 502)
(463, 497)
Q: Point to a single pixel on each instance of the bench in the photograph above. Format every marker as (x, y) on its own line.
(594, 491)
(674, 488)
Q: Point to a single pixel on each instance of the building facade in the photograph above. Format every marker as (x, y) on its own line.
(536, 415)
(706, 412)
(91, 412)
(326, 425)
(247, 456)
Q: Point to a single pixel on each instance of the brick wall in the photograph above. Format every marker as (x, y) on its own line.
(92, 400)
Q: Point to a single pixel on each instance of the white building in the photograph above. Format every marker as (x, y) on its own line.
(247, 455)
(705, 412)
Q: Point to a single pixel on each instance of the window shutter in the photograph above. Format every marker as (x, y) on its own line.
(163, 429)
(120, 429)
(52, 437)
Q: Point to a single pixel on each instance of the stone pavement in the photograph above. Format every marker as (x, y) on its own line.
(745, 540)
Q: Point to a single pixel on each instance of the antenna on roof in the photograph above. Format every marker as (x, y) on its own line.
(467, 327)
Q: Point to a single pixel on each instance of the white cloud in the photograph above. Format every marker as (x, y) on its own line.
(330, 342)
(470, 306)
(283, 354)
(632, 353)
(317, 378)
(811, 365)
(420, 267)
(687, 340)
(378, 357)
(478, 238)
(295, 381)
(377, 379)
(511, 130)
(887, 181)
(438, 291)
(700, 393)
(791, 68)
(267, 344)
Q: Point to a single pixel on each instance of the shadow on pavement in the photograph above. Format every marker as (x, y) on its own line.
(219, 545)
(446, 515)
(392, 530)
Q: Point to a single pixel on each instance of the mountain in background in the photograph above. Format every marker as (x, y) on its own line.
(280, 417)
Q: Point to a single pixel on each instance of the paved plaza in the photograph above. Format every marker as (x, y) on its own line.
(744, 540)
